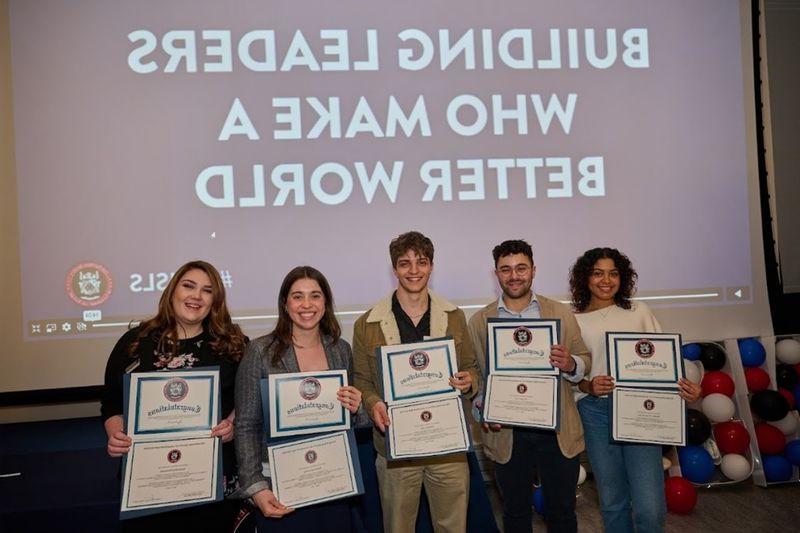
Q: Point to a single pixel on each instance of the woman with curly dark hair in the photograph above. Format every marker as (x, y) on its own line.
(629, 476)
(192, 328)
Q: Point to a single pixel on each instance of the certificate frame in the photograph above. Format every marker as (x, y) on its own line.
(176, 439)
(624, 400)
(522, 332)
(180, 392)
(644, 360)
(345, 439)
(278, 389)
(454, 406)
(398, 381)
(523, 383)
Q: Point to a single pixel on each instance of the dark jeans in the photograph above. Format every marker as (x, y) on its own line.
(537, 451)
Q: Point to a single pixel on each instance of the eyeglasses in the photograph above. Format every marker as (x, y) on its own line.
(520, 270)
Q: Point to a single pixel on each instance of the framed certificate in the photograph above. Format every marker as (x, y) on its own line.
(521, 345)
(644, 360)
(648, 416)
(416, 370)
(173, 402)
(305, 402)
(174, 461)
(522, 400)
(426, 428)
(315, 469)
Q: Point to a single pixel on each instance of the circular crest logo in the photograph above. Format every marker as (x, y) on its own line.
(645, 349)
(425, 416)
(311, 456)
(310, 388)
(522, 336)
(89, 284)
(649, 405)
(419, 360)
(522, 388)
(174, 456)
(176, 389)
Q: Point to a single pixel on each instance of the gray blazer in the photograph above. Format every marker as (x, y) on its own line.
(249, 427)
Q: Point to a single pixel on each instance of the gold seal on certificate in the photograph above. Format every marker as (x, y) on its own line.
(303, 403)
(173, 460)
(426, 413)
(645, 404)
(315, 469)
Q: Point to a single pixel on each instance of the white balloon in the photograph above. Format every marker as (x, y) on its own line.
(718, 407)
(788, 424)
(788, 351)
(581, 475)
(693, 372)
(735, 467)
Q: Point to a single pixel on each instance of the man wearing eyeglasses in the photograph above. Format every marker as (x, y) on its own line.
(519, 453)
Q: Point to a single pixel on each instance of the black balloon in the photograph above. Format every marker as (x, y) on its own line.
(769, 405)
(698, 428)
(712, 356)
(785, 376)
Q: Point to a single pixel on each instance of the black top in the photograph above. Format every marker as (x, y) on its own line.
(408, 331)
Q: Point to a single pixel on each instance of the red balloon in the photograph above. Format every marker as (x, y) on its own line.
(757, 379)
(717, 381)
(732, 437)
(770, 439)
(680, 494)
(789, 397)
(797, 369)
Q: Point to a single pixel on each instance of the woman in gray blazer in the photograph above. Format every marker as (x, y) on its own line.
(306, 338)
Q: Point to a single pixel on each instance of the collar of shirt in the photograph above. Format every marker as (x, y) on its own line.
(531, 311)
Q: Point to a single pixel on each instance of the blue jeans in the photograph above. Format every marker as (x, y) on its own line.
(629, 477)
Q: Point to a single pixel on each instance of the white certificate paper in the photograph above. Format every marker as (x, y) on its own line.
(162, 403)
(426, 428)
(521, 345)
(420, 369)
(522, 400)
(648, 416)
(313, 470)
(644, 359)
(165, 473)
(305, 402)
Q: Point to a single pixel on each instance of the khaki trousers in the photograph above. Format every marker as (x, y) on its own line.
(446, 481)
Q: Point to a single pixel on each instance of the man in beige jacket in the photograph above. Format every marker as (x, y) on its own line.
(518, 453)
(411, 314)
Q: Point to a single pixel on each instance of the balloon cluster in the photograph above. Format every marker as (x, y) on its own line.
(774, 410)
(714, 437)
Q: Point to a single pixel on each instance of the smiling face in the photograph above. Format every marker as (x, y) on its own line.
(192, 299)
(305, 304)
(603, 283)
(515, 273)
(413, 272)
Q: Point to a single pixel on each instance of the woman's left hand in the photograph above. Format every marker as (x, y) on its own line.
(462, 381)
(350, 397)
(690, 391)
(224, 429)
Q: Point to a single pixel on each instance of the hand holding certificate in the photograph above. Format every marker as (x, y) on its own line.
(645, 405)
(173, 461)
(421, 387)
(522, 384)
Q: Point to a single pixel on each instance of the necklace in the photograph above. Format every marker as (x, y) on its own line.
(415, 316)
(301, 347)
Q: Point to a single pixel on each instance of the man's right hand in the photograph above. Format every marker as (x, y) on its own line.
(380, 416)
(491, 427)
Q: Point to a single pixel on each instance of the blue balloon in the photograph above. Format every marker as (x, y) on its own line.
(691, 351)
(752, 352)
(538, 501)
(696, 464)
(792, 451)
(796, 393)
(777, 468)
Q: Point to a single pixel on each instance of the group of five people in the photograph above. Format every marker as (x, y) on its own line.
(193, 328)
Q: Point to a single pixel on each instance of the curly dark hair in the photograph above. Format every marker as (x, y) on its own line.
(582, 269)
(411, 240)
(512, 247)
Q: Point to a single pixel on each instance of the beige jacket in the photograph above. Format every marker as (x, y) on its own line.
(497, 444)
(378, 327)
